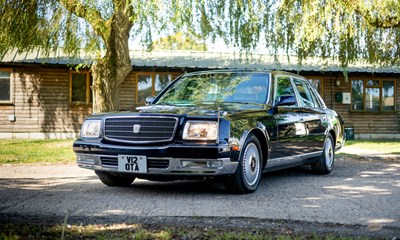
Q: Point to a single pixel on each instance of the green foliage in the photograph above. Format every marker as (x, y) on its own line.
(179, 41)
(344, 30)
(43, 24)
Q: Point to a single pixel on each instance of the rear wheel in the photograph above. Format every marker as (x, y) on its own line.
(247, 177)
(114, 180)
(324, 163)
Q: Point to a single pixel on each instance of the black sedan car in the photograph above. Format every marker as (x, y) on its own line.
(227, 125)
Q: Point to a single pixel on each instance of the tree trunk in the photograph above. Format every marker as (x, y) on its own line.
(111, 70)
(107, 80)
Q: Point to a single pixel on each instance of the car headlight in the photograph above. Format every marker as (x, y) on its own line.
(91, 128)
(200, 130)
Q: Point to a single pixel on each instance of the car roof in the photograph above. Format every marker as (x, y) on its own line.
(238, 70)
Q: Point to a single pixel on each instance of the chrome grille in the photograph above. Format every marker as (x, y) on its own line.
(109, 161)
(157, 163)
(140, 129)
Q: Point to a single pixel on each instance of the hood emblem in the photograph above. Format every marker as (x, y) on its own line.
(136, 128)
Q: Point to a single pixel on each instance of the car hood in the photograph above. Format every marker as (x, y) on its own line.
(204, 110)
(201, 110)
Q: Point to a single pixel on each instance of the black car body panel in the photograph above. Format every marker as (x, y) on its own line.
(289, 133)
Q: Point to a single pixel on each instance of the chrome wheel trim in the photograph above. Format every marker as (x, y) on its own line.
(329, 153)
(251, 164)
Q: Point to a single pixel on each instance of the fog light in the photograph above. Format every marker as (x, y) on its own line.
(193, 164)
(215, 164)
(85, 159)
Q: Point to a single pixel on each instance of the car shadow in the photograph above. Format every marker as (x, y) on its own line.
(214, 185)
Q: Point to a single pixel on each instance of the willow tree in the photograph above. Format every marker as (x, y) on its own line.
(346, 30)
(179, 41)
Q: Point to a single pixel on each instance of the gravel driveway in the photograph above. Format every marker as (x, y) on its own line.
(357, 193)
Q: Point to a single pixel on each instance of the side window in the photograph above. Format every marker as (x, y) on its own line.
(284, 88)
(315, 98)
(317, 84)
(305, 96)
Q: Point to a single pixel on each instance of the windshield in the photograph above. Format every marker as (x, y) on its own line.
(217, 88)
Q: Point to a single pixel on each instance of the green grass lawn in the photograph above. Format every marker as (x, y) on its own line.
(48, 151)
(135, 231)
(36, 151)
(378, 146)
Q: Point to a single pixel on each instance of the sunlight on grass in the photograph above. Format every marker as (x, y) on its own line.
(379, 146)
(35, 151)
(114, 231)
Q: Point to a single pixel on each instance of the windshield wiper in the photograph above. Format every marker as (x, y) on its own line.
(244, 103)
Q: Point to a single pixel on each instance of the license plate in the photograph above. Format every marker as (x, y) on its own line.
(132, 163)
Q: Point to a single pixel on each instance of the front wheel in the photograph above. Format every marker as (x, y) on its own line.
(247, 177)
(114, 180)
(324, 163)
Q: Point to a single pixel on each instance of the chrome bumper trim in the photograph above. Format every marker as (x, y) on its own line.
(194, 167)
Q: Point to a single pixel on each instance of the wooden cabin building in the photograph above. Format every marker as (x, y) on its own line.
(45, 97)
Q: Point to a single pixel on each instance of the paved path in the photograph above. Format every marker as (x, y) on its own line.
(356, 192)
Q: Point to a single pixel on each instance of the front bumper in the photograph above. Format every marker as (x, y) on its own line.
(173, 159)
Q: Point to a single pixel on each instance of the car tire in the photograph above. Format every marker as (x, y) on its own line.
(324, 164)
(114, 180)
(246, 178)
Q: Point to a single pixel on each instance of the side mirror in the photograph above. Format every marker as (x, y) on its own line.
(286, 100)
(149, 100)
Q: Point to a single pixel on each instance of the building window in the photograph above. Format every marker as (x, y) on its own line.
(151, 84)
(388, 94)
(80, 90)
(357, 95)
(5, 86)
(144, 87)
(161, 81)
(373, 95)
